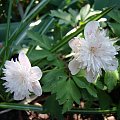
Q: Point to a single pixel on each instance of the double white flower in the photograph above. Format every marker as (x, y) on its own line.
(92, 53)
(21, 78)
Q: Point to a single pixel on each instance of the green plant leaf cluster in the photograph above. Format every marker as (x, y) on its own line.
(43, 31)
(115, 25)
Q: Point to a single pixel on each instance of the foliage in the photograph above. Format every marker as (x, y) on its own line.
(44, 31)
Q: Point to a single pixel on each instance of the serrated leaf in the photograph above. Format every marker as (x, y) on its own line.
(51, 78)
(110, 79)
(42, 40)
(38, 54)
(63, 15)
(75, 16)
(66, 99)
(66, 92)
(67, 105)
(57, 62)
(57, 88)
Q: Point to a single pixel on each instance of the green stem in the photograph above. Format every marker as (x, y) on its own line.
(17, 106)
(93, 111)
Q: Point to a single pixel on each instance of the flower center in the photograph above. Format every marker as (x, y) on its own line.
(93, 49)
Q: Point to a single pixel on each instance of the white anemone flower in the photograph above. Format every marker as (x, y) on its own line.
(92, 53)
(21, 78)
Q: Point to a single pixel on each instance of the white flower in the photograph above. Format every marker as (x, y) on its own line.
(93, 53)
(21, 78)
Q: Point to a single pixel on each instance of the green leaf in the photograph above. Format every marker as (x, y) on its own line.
(70, 17)
(115, 14)
(86, 96)
(74, 91)
(50, 79)
(99, 4)
(42, 40)
(63, 15)
(17, 106)
(66, 97)
(66, 92)
(38, 54)
(100, 85)
(67, 105)
(60, 93)
(110, 79)
(24, 23)
(84, 11)
(92, 91)
(82, 83)
(75, 17)
(52, 106)
(115, 27)
(104, 99)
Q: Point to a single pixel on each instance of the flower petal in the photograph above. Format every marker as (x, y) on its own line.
(37, 88)
(23, 59)
(75, 43)
(91, 29)
(36, 73)
(74, 66)
(112, 65)
(18, 96)
(90, 76)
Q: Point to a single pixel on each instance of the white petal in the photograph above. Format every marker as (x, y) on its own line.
(37, 88)
(112, 65)
(91, 77)
(74, 66)
(75, 43)
(91, 29)
(36, 73)
(18, 96)
(23, 59)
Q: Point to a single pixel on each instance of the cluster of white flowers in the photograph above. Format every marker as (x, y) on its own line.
(92, 53)
(21, 78)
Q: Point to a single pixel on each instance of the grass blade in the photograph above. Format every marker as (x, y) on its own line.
(25, 23)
